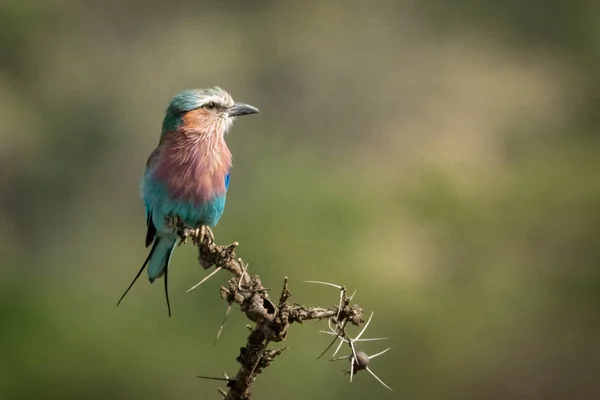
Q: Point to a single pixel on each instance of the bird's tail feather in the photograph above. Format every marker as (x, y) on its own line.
(158, 263)
(160, 257)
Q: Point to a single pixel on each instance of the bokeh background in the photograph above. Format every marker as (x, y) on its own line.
(443, 158)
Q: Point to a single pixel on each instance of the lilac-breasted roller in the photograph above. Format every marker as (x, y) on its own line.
(187, 175)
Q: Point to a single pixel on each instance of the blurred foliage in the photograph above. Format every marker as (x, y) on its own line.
(440, 157)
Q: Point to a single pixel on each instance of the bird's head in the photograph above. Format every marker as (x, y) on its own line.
(203, 111)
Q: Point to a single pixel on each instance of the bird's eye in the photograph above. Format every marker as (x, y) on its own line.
(210, 106)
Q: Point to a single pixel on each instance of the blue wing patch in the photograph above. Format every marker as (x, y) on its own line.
(227, 181)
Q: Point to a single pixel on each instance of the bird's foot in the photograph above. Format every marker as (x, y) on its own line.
(205, 234)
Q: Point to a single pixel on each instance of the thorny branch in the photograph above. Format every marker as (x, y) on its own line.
(272, 319)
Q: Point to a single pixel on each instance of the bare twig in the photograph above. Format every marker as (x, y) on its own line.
(359, 360)
(272, 321)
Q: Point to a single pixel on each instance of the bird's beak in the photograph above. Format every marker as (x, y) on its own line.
(241, 109)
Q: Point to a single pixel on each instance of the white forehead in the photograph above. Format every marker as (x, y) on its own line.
(215, 95)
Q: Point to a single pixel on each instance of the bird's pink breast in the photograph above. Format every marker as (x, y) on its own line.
(193, 171)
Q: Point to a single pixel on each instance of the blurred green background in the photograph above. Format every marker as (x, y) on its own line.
(441, 157)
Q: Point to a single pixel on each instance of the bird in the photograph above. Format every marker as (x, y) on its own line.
(187, 175)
